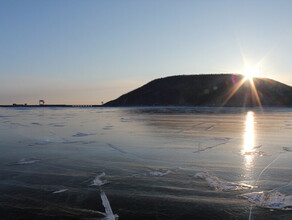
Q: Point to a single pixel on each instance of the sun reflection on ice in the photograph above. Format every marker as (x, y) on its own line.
(249, 142)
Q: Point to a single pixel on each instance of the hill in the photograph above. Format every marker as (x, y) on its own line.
(207, 90)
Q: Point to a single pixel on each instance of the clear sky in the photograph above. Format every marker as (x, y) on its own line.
(88, 51)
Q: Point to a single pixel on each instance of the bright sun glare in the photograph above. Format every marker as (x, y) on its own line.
(250, 72)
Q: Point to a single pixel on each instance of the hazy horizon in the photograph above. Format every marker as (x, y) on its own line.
(73, 101)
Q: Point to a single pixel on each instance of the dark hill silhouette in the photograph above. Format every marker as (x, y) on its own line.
(207, 90)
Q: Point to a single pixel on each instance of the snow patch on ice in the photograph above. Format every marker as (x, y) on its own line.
(109, 215)
(47, 141)
(98, 180)
(25, 161)
(158, 173)
(60, 191)
(271, 200)
(221, 185)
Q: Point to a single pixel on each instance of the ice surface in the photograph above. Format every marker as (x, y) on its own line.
(255, 152)
(71, 142)
(47, 141)
(225, 139)
(210, 128)
(60, 191)
(98, 181)
(271, 200)
(208, 148)
(35, 123)
(257, 146)
(157, 173)
(125, 120)
(220, 185)
(108, 127)
(59, 125)
(25, 161)
(158, 148)
(109, 215)
(78, 142)
(87, 142)
(79, 134)
(116, 148)
(288, 149)
(18, 124)
(56, 124)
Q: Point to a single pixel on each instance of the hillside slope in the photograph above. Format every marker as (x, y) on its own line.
(207, 90)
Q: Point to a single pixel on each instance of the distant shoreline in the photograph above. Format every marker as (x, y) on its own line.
(138, 106)
(43, 106)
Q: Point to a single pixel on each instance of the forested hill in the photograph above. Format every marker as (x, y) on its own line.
(207, 90)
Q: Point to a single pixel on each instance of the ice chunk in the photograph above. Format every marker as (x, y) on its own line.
(116, 148)
(25, 161)
(220, 185)
(109, 215)
(270, 199)
(98, 181)
(157, 173)
(60, 191)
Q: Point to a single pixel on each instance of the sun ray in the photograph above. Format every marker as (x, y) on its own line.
(249, 73)
(237, 86)
(255, 92)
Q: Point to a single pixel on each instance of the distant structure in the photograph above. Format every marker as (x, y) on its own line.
(41, 102)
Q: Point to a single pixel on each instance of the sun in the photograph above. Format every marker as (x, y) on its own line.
(250, 72)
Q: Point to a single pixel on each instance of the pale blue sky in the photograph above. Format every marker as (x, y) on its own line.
(87, 51)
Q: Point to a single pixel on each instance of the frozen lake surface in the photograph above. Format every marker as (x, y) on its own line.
(145, 163)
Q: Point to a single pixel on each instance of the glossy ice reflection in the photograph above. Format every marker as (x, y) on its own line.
(249, 141)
